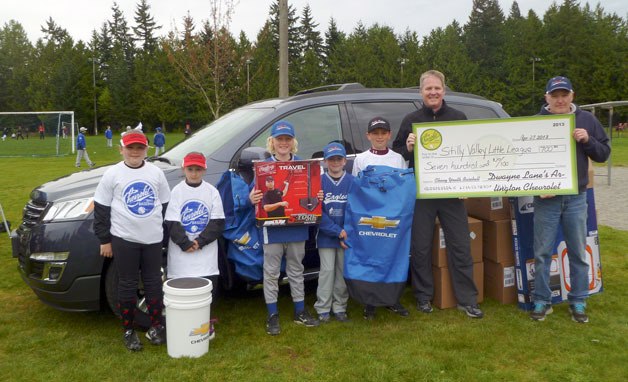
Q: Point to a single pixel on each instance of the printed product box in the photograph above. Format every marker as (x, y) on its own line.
(523, 212)
(488, 208)
(443, 292)
(497, 241)
(439, 248)
(499, 282)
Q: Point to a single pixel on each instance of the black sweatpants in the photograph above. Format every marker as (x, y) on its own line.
(131, 258)
(452, 215)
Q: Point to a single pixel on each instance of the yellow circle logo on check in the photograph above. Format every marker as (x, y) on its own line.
(431, 139)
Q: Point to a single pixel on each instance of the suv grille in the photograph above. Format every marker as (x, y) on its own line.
(32, 213)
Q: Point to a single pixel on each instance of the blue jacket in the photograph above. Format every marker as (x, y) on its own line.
(159, 139)
(80, 142)
(287, 234)
(597, 148)
(108, 134)
(334, 203)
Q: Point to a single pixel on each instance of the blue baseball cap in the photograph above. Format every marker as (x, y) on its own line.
(558, 82)
(282, 128)
(334, 149)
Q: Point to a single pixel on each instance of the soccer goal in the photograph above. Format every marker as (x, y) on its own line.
(37, 133)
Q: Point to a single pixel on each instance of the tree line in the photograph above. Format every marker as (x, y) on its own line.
(196, 73)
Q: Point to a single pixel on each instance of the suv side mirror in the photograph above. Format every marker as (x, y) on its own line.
(251, 154)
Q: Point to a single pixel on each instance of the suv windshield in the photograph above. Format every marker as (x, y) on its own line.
(220, 132)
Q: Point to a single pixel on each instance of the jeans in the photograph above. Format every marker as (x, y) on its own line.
(570, 213)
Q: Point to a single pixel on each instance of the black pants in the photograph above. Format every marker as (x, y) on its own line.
(131, 258)
(452, 215)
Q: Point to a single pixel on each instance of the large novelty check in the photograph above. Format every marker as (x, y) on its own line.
(497, 157)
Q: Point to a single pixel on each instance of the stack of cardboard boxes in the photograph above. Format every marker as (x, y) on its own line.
(443, 293)
(498, 254)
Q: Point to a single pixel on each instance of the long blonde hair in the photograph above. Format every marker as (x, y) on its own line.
(271, 149)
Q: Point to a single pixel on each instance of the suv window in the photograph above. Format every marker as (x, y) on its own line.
(475, 112)
(314, 129)
(393, 112)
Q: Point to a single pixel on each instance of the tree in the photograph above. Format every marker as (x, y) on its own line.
(206, 63)
(146, 27)
(15, 60)
(334, 56)
(310, 62)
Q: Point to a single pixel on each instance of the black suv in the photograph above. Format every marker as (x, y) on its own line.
(55, 245)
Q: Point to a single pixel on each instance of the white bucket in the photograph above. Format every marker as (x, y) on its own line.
(187, 301)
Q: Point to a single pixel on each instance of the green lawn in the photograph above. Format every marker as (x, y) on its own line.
(40, 343)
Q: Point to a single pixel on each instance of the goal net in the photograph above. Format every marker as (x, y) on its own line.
(40, 133)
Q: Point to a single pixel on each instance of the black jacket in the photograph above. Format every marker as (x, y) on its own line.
(424, 114)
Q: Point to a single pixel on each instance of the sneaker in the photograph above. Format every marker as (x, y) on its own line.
(369, 312)
(424, 306)
(304, 318)
(398, 309)
(540, 311)
(131, 340)
(324, 318)
(156, 335)
(272, 325)
(472, 311)
(578, 313)
(92, 165)
(341, 317)
(212, 332)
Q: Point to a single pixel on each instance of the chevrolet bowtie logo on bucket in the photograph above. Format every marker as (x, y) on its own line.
(379, 222)
(202, 331)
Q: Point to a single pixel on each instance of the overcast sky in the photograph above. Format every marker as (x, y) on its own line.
(80, 17)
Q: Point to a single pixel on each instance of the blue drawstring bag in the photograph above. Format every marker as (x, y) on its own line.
(244, 247)
(378, 222)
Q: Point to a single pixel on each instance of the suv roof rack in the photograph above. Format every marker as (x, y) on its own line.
(337, 87)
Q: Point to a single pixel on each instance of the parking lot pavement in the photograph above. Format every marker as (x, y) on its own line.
(611, 201)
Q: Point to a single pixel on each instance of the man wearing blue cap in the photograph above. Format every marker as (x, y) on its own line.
(566, 211)
(332, 294)
(160, 141)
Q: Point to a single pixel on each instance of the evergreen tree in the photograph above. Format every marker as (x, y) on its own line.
(334, 53)
(15, 61)
(310, 63)
(145, 27)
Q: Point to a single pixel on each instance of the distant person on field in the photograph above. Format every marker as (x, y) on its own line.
(5, 133)
(188, 130)
(566, 211)
(81, 149)
(159, 139)
(109, 136)
(19, 135)
(64, 131)
(42, 131)
(129, 204)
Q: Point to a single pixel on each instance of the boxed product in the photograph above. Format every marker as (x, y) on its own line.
(497, 241)
(523, 238)
(439, 248)
(495, 208)
(499, 282)
(443, 292)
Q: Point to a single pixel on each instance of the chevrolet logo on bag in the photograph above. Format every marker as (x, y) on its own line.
(244, 239)
(379, 222)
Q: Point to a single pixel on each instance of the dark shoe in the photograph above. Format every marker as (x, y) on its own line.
(578, 313)
(156, 335)
(92, 165)
(398, 309)
(131, 340)
(369, 312)
(540, 311)
(324, 318)
(424, 306)
(472, 311)
(341, 317)
(212, 331)
(304, 318)
(272, 325)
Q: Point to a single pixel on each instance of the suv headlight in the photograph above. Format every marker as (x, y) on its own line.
(71, 209)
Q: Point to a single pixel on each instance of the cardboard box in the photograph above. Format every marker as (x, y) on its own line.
(439, 247)
(497, 241)
(443, 292)
(488, 208)
(591, 174)
(499, 282)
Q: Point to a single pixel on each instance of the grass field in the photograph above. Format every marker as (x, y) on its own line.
(41, 343)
